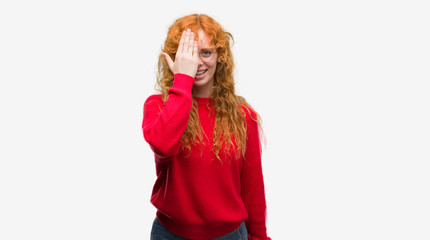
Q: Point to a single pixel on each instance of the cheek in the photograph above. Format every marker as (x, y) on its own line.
(212, 65)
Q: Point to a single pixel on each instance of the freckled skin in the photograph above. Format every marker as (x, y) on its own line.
(203, 87)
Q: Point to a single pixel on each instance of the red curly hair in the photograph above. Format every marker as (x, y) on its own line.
(230, 123)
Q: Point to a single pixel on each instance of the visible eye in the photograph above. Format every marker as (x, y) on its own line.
(206, 53)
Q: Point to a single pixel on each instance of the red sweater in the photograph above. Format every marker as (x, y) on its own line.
(196, 196)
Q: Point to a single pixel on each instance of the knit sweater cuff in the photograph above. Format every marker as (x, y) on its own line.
(183, 81)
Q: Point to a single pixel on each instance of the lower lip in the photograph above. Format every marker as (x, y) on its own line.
(200, 77)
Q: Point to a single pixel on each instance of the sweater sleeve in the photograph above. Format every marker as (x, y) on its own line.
(164, 123)
(252, 183)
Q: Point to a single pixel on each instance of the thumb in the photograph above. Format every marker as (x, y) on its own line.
(168, 60)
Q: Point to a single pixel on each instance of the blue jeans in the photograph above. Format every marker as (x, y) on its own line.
(159, 232)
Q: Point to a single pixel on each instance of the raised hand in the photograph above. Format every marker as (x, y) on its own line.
(187, 56)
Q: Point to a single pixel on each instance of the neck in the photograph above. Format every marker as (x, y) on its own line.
(201, 94)
(203, 91)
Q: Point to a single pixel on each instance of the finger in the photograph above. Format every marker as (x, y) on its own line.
(169, 61)
(191, 43)
(186, 41)
(181, 43)
(196, 50)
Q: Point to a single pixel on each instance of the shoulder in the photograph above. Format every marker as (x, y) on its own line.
(155, 98)
(248, 111)
(253, 122)
(153, 102)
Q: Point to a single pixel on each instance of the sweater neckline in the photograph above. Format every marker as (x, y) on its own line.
(202, 100)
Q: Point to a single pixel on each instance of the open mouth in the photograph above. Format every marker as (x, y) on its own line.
(201, 73)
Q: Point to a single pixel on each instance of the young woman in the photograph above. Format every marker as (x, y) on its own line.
(205, 139)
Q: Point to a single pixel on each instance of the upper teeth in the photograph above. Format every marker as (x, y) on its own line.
(201, 72)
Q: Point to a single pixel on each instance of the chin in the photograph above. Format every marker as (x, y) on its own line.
(201, 82)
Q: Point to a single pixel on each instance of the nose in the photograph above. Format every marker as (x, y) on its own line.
(200, 61)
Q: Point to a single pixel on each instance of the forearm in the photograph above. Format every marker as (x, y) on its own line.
(165, 123)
